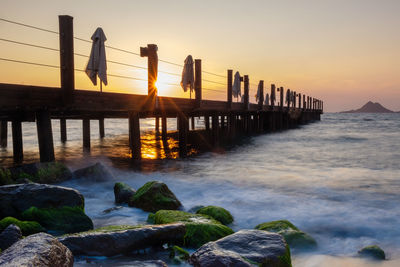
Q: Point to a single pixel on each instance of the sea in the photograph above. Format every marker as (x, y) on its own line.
(337, 179)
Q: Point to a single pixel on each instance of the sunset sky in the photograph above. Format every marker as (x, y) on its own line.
(345, 52)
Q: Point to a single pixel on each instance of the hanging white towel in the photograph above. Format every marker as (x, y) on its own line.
(267, 99)
(188, 75)
(236, 90)
(97, 65)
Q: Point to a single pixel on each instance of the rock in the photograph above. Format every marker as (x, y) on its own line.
(5, 177)
(9, 236)
(123, 192)
(112, 209)
(37, 250)
(293, 236)
(200, 228)
(60, 220)
(96, 173)
(111, 240)
(154, 196)
(42, 172)
(155, 263)
(178, 254)
(244, 248)
(218, 213)
(14, 199)
(373, 252)
(26, 227)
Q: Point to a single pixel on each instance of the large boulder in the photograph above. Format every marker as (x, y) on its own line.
(9, 236)
(123, 192)
(37, 250)
(200, 228)
(96, 173)
(26, 227)
(373, 252)
(218, 213)
(244, 248)
(154, 196)
(60, 221)
(293, 236)
(114, 240)
(14, 199)
(42, 172)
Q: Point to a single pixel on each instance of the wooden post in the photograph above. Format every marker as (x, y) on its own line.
(134, 135)
(197, 82)
(281, 97)
(273, 93)
(207, 122)
(18, 152)
(288, 100)
(67, 66)
(261, 96)
(299, 101)
(294, 99)
(63, 130)
(192, 122)
(101, 128)
(152, 68)
(86, 133)
(45, 136)
(183, 125)
(215, 128)
(157, 124)
(229, 91)
(3, 133)
(164, 127)
(246, 92)
(304, 102)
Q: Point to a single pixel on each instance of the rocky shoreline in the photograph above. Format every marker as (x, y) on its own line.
(43, 224)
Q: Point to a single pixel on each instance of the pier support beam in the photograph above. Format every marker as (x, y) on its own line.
(215, 128)
(86, 133)
(207, 122)
(134, 135)
(101, 127)
(63, 130)
(18, 152)
(193, 123)
(164, 127)
(183, 127)
(3, 133)
(45, 136)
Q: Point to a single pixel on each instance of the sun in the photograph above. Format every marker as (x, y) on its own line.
(166, 83)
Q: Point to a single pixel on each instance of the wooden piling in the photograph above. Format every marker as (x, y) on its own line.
(273, 94)
(157, 124)
(215, 129)
(183, 134)
(3, 133)
(67, 66)
(192, 123)
(299, 101)
(246, 92)
(86, 133)
(45, 136)
(63, 130)
(101, 128)
(207, 122)
(197, 82)
(229, 89)
(134, 135)
(261, 96)
(18, 153)
(164, 127)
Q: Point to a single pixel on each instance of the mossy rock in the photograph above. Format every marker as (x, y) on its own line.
(154, 196)
(218, 213)
(178, 254)
(27, 227)
(43, 173)
(293, 236)
(107, 229)
(60, 220)
(200, 228)
(5, 177)
(373, 252)
(123, 192)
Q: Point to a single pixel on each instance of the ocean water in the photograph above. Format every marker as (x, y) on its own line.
(337, 179)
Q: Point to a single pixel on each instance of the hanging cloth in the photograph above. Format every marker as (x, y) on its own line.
(97, 64)
(188, 75)
(236, 90)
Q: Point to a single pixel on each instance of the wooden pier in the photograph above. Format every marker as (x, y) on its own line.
(19, 103)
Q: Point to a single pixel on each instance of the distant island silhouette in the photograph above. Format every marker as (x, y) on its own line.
(370, 107)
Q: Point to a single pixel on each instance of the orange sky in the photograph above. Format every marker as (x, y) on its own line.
(344, 52)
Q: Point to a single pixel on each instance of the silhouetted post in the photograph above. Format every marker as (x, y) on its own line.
(272, 101)
(288, 98)
(281, 97)
(66, 37)
(246, 92)
(304, 103)
(261, 96)
(134, 135)
(45, 136)
(215, 128)
(18, 152)
(294, 99)
(299, 101)
(229, 91)
(164, 127)
(63, 130)
(86, 133)
(197, 82)
(101, 128)
(157, 124)
(207, 122)
(152, 70)
(183, 125)
(192, 122)
(3, 133)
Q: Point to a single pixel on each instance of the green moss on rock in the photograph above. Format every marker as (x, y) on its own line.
(60, 220)
(200, 228)
(218, 213)
(374, 252)
(123, 192)
(42, 172)
(27, 227)
(293, 236)
(154, 196)
(178, 254)
(5, 177)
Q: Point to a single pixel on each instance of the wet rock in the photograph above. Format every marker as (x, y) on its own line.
(200, 228)
(155, 263)
(244, 248)
(37, 250)
(154, 196)
(373, 252)
(112, 241)
(26, 227)
(14, 199)
(96, 173)
(42, 172)
(9, 236)
(218, 213)
(178, 255)
(123, 193)
(112, 209)
(293, 236)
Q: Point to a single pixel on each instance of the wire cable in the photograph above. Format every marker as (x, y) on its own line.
(30, 63)
(213, 82)
(207, 72)
(31, 45)
(29, 26)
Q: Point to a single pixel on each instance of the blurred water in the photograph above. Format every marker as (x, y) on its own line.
(337, 179)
